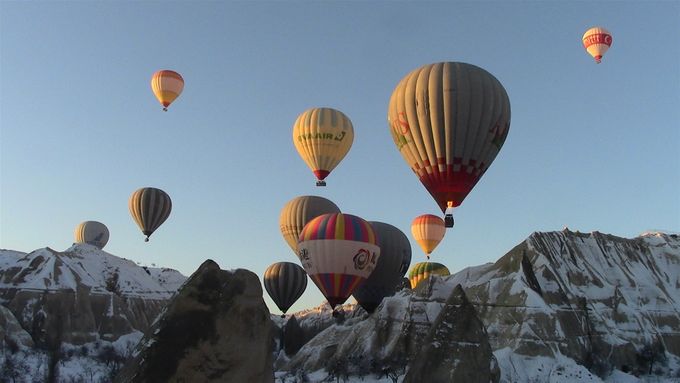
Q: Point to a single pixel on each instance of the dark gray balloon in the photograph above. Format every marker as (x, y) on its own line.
(285, 282)
(394, 261)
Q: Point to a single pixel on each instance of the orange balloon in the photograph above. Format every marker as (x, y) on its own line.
(428, 230)
(167, 85)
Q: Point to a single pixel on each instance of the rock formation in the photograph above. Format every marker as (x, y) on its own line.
(456, 348)
(400, 331)
(216, 329)
(82, 294)
(11, 333)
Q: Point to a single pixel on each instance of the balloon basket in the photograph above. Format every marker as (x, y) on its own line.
(448, 220)
(320, 183)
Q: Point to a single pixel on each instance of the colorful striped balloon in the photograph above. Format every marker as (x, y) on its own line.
(167, 85)
(285, 282)
(322, 137)
(338, 251)
(149, 207)
(423, 270)
(428, 230)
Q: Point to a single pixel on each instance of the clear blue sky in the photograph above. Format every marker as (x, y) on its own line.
(591, 147)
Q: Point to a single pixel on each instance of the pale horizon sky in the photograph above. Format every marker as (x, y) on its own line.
(591, 147)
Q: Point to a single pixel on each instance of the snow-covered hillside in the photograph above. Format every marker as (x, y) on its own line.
(85, 266)
(75, 315)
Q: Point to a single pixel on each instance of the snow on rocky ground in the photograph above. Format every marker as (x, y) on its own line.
(49, 270)
(92, 362)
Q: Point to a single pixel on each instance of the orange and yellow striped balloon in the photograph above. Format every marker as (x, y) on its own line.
(338, 252)
(428, 230)
(322, 137)
(597, 41)
(167, 85)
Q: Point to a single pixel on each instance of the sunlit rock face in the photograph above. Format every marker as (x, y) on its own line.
(216, 329)
(600, 300)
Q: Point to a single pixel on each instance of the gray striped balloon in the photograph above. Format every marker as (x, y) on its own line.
(285, 282)
(93, 233)
(149, 207)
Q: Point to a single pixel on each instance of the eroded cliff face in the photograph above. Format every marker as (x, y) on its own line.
(598, 299)
(82, 294)
(420, 329)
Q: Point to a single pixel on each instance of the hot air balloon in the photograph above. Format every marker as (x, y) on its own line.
(285, 282)
(449, 120)
(423, 270)
(300, 210)
(93, 233)
(150, 207)
(395, 257)
(322, 137)
(428, 230)
(338, 251)
(597, 41)
(167, 85)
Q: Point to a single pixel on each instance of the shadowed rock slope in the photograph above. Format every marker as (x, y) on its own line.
(216, 329)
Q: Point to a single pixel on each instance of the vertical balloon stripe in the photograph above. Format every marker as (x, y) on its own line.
(347, 229)
(354, 231)
(333, 221)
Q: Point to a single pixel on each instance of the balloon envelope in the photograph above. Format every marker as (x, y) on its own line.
(285, 282)
(395, 257)
(149, 207)
(322, 137)
(428, 230)
(166, 85)
(338, 252)
(300, 210)
(597, 41)
(423, 270)
(93, 233)
(448, 121)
